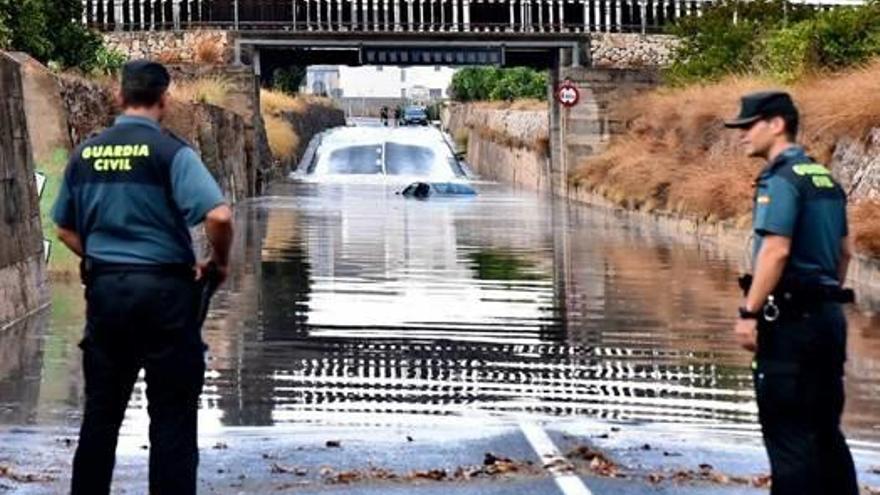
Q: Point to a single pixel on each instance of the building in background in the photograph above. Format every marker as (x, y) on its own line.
(364, 90)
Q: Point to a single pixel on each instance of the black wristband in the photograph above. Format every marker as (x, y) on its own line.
(745, 314)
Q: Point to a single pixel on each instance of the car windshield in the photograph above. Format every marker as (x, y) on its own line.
(415, 112)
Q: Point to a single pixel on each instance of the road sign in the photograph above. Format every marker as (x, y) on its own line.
(567, 94)
(41, 182)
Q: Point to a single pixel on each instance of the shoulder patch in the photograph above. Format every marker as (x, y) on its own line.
(810, 169)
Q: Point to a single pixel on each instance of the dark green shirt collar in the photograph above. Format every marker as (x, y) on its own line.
(131, 119)
(795, 153)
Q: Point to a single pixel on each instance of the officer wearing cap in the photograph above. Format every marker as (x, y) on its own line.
(128, 199)
(792, 317)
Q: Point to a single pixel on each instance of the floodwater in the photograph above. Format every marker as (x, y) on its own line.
(350, 304)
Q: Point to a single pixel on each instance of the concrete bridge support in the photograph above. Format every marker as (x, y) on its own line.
(586, 128)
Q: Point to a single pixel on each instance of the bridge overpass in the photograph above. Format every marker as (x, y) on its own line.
(547, 34)
(401, 16)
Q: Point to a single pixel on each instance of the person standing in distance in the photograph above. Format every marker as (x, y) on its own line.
(792, 316)
(128, 199)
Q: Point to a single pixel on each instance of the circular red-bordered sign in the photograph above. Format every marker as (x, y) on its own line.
(567, 94)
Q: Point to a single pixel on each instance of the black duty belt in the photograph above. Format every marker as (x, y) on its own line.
(91, 268)
(805, 294)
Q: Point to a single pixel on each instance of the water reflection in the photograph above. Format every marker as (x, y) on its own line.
(349, 303)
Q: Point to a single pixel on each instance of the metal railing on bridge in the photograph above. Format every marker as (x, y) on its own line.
(502, 16)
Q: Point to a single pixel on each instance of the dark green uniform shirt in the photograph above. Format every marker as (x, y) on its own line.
(133, 192)
(798, 198)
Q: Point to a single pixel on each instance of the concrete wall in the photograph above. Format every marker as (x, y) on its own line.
(23, 286)
(314, 119)
(503, 145)
(587, 128)
(515, 145)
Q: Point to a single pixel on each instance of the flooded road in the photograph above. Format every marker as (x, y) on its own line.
(352, 307)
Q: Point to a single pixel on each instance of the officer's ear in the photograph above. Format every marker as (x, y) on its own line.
(163, 101)
(777, 125)
(118, 98)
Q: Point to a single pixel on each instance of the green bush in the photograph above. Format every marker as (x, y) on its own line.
(106, 62)
(848, 36)
(772, 38)
(49, 30)
(492, 83)
(788, 54)
(289, 79)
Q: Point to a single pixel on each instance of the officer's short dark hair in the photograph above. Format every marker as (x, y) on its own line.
(143, 83)
(792, 123)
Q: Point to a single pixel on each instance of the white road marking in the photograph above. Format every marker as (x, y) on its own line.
(553, 460)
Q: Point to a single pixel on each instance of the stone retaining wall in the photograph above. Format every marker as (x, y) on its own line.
(856, 164)
(628, 51)
(23, 282)
(173, 47)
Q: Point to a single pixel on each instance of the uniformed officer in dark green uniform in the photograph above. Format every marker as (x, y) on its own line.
(127, 202)
(792, 316)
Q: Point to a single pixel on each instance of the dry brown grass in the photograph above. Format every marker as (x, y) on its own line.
(847, 104)
(276, 102)
(677, 157)
(865, 226)
(209, 50)
(523, 105)
(282, 140)
(169, 57)
(213, 90)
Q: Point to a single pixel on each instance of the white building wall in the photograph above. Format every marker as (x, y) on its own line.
(392, 81)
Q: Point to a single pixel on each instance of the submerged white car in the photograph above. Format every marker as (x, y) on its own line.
(399, 154)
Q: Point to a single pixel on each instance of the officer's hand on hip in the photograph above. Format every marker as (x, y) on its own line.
(222, 270)
(746, 333)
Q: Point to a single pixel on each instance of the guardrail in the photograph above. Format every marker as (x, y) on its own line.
(514, 16)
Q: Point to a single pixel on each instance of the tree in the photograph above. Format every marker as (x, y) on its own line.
(48, 30)
(288, 79)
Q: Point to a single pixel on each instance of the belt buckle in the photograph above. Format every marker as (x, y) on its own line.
(771, 310)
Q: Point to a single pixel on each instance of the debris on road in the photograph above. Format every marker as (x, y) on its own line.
(9, 473)
(598, 462)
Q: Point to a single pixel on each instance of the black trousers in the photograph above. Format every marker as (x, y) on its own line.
(799, 389)
(141, 320)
